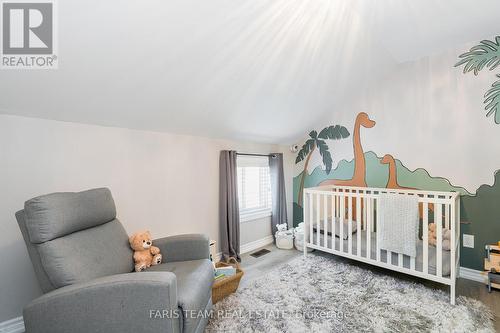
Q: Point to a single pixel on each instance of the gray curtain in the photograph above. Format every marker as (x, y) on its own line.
(229, 213)
(277, 191)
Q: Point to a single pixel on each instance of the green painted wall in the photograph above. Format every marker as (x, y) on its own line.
(481, 213)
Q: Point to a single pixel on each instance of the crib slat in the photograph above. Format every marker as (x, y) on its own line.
(332, 223)
(368, 228)
(412, 263)
(349, 226)
(359, 215)
(318, 219)
(373, 215)
(365, 218)
(447, 216)
(306, 220)
(337, 214)
(341, 222)
(400, 260)
(457, 220)
(311, 217)
(377, 233)
(425, 238)
(325, 221)
(439, 235)
(453, 242)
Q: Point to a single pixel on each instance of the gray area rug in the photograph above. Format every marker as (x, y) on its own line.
(318, 294)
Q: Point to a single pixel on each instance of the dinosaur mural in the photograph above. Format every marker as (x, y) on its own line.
(359, 176)
(392, 181)
(480, 212)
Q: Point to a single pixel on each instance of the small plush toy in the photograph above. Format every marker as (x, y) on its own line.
(282, 227)
(446, 235)
(145, 254)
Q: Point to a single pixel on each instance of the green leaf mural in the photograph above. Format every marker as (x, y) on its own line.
(492, 100)
(306, 149)
(334, 132)
(485, 55)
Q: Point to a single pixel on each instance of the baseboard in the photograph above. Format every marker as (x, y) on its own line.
(15, 325)
(249, 247)
(472, 274)
(245, 248)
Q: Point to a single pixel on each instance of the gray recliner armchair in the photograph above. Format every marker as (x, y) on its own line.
(83, 262)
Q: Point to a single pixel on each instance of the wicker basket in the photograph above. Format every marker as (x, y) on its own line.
(227, 285)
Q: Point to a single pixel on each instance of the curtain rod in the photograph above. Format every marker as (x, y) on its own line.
(248, 154)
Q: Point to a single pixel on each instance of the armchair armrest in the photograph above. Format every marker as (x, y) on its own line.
(129, 302)
(183, 247)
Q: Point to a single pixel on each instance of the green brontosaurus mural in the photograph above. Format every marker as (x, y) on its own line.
(485, 55)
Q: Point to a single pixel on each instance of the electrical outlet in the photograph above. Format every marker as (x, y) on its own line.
(468, 241)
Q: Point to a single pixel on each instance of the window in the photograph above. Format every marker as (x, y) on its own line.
(254, 187)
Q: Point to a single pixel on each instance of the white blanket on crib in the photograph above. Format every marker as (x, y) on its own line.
(398, 225)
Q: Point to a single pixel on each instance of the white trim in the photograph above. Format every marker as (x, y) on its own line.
(15, 325)
(253, 215)
(249, 247)
(472, 274)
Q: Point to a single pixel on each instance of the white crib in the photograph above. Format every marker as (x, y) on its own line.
(330, 209)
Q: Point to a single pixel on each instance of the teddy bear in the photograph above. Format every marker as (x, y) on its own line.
(282, 227)
(145, 254)
(445, 234)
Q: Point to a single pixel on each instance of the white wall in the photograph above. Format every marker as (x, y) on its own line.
(251, 231)
(163, 182)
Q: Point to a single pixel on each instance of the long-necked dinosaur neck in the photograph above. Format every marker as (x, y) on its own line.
(359, 176)
(392, 182)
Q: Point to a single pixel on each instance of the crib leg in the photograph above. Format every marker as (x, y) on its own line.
(452, 293)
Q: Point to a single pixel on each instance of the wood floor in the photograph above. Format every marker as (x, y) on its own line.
(256, 267)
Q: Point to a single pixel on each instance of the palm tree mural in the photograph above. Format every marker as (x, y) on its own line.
(334, 132)
(485, 55)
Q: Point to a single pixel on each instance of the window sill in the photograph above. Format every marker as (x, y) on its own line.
(252, 216)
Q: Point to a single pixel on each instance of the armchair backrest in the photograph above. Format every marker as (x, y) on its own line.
(74, 237)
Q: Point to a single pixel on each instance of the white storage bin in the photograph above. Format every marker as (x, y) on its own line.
(284, 239)
(299, 241)
(299, 238)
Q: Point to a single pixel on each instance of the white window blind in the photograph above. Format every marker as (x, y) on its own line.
(254, 187)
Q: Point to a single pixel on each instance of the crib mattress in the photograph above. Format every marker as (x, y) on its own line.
(446, 264)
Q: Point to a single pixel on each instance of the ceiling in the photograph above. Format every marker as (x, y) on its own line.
(258, 70)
